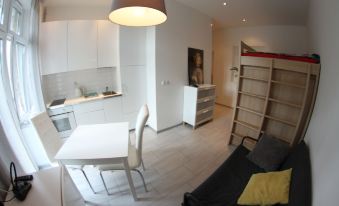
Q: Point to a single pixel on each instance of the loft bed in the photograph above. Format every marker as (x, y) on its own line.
(249, 51)
(275, 95)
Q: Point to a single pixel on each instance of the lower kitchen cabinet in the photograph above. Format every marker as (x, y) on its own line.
(89, 113)
(93, 117)
(112, 109)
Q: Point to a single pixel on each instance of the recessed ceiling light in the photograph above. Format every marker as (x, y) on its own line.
(224, 3)
(212, 25)
(244, 20)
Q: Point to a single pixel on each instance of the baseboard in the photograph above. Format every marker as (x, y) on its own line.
(168, 128)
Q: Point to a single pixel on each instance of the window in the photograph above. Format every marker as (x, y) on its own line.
(4, 8)
(1, 55)
(15, 24)
(2, 15)
(9, 62)
(19, 82)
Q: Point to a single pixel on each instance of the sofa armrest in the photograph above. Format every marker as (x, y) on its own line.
(247, 137)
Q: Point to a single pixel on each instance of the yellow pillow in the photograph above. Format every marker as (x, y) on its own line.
(267, 189)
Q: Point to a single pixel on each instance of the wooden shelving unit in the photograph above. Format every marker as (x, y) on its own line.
(274, 96)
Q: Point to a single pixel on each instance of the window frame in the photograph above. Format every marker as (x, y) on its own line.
(6, 9)
(18, 6)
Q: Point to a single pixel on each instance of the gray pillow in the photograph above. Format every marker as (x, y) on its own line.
(269, 153)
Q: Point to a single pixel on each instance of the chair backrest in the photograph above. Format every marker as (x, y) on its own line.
(48, 134)
(139, 129)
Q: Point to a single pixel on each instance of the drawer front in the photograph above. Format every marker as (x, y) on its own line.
(88, 107)
(205, 105)
(204, 116)
(206, 93)
(94, 117)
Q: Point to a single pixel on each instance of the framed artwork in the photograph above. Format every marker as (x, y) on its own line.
(195, 66)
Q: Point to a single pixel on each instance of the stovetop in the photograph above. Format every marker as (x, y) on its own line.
(58, 102)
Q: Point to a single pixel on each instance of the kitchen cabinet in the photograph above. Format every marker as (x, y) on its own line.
(99, 111)
(93, 117)
(53, 47)
(77, 45)
(133, 71)
(132, 46)
(134, 90)
(133, 87)
(112, 109)
(108, 44)
(82, 45)
(89, 113)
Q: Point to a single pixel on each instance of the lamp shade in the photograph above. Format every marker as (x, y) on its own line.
(138, 12)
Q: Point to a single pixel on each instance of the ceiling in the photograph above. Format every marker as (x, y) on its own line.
(256, 12)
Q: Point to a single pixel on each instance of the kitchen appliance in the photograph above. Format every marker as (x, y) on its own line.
(63, 119)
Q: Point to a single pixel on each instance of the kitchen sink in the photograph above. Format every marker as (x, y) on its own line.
(107, 93)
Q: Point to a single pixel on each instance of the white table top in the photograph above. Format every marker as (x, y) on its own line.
(95, 144)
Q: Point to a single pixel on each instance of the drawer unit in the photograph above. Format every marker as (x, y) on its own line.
(198, 104)
(88, 107)
(204, 105)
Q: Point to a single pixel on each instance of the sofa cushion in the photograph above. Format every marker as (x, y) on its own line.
(226, 184)
(267, 188)
(269, 153)
(300, 188)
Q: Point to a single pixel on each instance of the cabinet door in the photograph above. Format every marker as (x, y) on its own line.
(53, 47)
(82, 45)
(134, 91)
(108, 44)
(132, 46)
(112, 108)
(94, 117)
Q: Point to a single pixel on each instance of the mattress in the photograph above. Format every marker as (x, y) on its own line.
(282, 56)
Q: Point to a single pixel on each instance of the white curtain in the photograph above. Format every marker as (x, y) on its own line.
(17, 107)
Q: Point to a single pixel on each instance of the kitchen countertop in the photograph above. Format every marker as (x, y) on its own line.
(79, 100)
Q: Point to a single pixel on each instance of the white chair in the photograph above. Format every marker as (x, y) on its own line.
(51, 140)
(134, 152)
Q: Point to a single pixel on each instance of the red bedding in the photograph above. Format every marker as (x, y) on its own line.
(282, 56)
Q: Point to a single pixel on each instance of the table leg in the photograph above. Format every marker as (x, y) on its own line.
(129, 178)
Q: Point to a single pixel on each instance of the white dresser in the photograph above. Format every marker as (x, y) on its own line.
(198, 104)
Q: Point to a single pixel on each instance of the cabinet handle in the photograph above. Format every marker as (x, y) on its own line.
(205, 111)
(206, 100)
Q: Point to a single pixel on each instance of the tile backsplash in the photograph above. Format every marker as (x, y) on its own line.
(62, 85)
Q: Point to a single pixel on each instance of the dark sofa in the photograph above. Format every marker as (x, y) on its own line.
(225, 185)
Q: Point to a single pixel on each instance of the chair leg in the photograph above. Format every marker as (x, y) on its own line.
(102, 178)
(143, 165)
(142, 178)
(90, 185)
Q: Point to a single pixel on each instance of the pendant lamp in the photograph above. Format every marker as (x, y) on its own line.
(138, 12)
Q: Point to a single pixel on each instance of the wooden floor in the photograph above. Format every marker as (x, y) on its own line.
(176, 161)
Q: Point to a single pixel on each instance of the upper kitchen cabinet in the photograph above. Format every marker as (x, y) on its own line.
(53, 47)
(76, 45)
(82, 45)
(108, 44)
(132, 46)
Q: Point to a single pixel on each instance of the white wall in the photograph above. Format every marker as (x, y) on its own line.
(323, 132)
(184, 28)
(279, 39)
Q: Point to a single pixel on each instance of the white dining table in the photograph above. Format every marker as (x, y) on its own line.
(98, 144)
